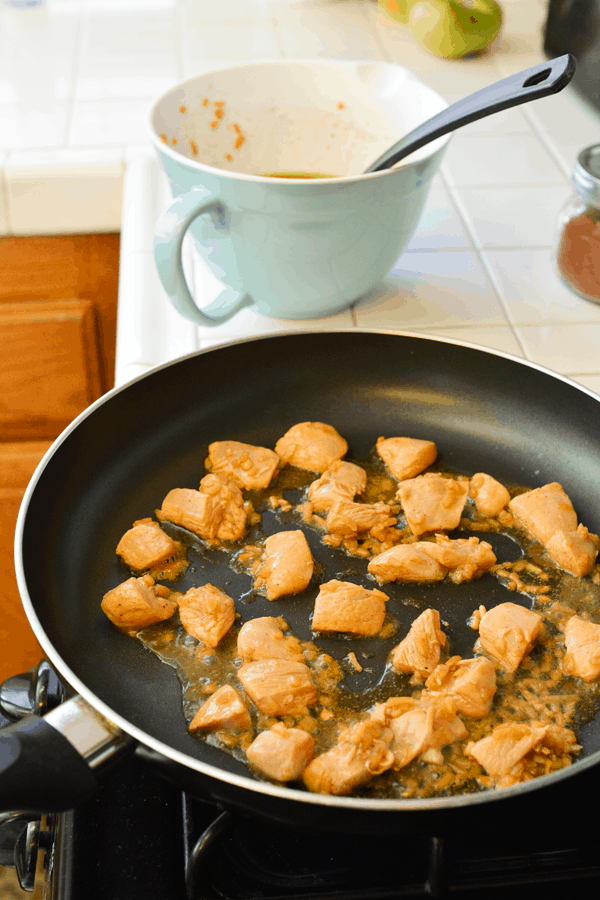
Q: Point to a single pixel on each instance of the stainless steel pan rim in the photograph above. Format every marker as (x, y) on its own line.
(247, 783)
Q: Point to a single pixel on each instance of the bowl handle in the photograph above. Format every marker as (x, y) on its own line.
(168, 242)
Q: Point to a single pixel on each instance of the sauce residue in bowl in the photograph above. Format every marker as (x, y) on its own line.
(296, 175)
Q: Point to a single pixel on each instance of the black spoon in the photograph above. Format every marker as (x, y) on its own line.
(531, 84)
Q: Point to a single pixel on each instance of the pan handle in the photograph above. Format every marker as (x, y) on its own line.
(50, 763)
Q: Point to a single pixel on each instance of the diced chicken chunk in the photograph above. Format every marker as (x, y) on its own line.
(419, 652)
(288, 565)
(425, 561)
(145, 545)
(423, 732)
(137, 603)
(582, 640)
(216, 510)
(406, 563)
(281, 753)
(432, 502)
(207, 613)
(489, 495)
(406, 457)
(505, 746)
(223, 710)
(350, 519)
(263, 638)
(466, 558)
(278, 687)
(362, 752)
(250, 468)
(411, 732)
(345, 607)
(311, 445)
(229, 502)
(573, 551)
(508, 632)
(341, 481)
(470, 683)
(544, 511)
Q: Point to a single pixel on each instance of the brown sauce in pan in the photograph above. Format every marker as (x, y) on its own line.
(538, 689)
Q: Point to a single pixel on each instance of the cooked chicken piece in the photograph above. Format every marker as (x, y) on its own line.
(363, 751)
(230, 503)
(544, 511)
(224, 709)
(419, 652)
(288, 565)
(191, 510)
(411, 732)
(423, 732)
(137, 603)
(214, 511)
(489, 495)
(250, 468)
(470, 683)
(311, 445)
(425, 561)
(582, 640)
(466, 558)
(350, 519)
(278, 687)
(406, 563)
(207, 613)
(406, 457)
(508, 632)
(281, 753)
(505, 746)
(432, 502)
(349, 608)
(145, 545)
(573, 551)
(263, 638)
(391, 709)
(341, 481)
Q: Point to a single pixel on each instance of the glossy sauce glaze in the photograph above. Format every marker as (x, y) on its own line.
(353, 673)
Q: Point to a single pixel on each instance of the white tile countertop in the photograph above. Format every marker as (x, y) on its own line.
(77, 78)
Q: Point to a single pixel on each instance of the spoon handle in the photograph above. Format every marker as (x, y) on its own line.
(538, 81)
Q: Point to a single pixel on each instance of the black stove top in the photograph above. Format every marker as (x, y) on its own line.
(141, 837)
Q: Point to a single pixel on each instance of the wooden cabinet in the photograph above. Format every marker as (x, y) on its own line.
(58, 310)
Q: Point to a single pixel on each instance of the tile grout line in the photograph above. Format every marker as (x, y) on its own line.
(177, 31)
(548, 142)
(79, 36)
(465, 221)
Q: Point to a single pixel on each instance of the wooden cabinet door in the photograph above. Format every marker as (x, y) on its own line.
(49, 366)
(19, 647)
(58, 310)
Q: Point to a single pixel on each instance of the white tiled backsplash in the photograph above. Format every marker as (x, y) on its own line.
(77, 78)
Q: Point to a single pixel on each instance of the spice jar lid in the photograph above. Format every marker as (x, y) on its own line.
(586, 174)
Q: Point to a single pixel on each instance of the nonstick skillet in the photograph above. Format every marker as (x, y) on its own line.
(486, 411)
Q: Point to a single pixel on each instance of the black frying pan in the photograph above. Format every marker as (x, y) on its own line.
(486, 412)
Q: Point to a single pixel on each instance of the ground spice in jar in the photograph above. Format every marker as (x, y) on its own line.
(578, 241)
(578, 253)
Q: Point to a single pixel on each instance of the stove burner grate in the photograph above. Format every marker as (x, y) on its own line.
(238, 858)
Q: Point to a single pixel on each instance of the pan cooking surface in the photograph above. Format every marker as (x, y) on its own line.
(484, 412)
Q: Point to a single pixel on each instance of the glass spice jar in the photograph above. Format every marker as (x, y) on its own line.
(577, 251)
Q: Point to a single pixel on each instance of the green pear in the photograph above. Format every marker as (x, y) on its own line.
(397, 9)
(455, 28)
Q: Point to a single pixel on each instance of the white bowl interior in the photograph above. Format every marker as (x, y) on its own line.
(327, 117)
